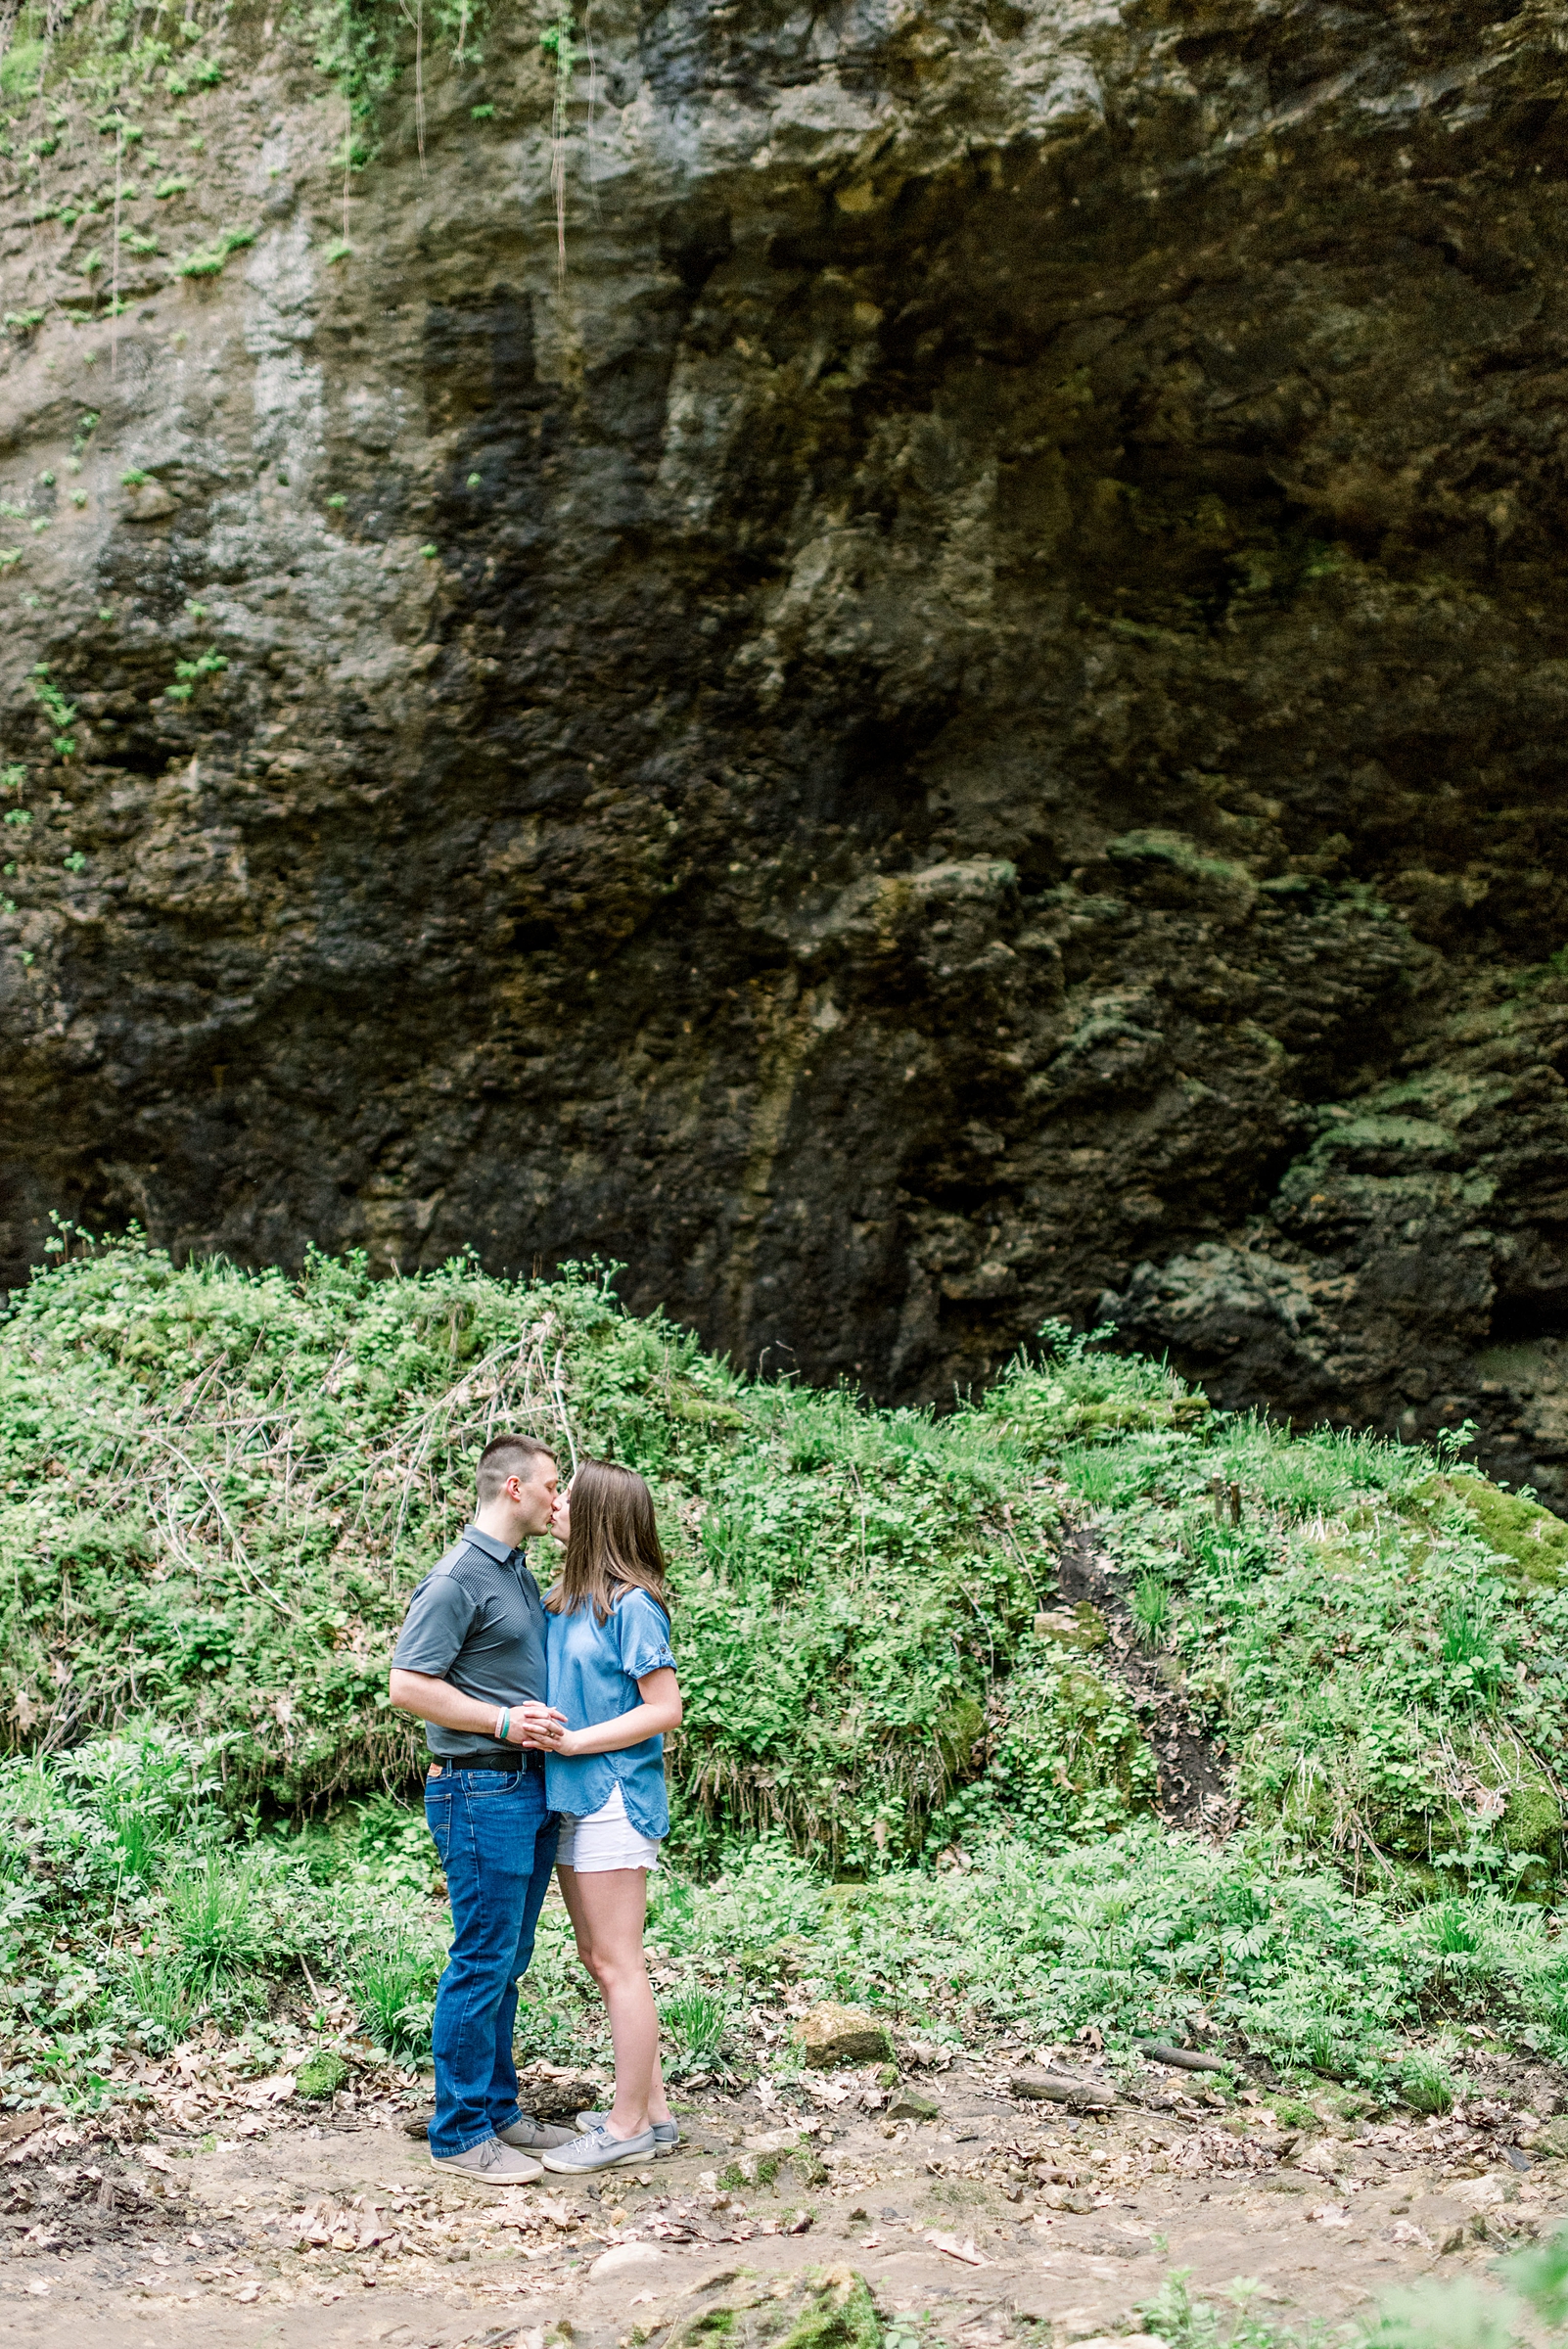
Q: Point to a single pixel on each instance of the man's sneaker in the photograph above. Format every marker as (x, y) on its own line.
(532, 2136)
(490, 2164)
(597, 2149)
(666, 2133)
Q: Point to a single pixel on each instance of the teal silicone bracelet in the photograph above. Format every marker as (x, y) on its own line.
(506, 1724)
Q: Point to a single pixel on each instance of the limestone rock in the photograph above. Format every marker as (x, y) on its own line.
(963, 728)
(151, 502)
(913, 2105)
(628, 2259)
(1063, 2087)
(830, 2035)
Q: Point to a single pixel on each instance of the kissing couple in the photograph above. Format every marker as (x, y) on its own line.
(545, 1719)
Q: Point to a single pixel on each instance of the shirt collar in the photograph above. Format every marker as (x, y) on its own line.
(492, 1548)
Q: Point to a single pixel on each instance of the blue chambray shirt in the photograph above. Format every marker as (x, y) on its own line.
(593, 1672)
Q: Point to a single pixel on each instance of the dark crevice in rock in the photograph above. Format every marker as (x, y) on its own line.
(1197, 1784)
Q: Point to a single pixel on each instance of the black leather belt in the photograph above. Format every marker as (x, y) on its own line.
(533, 1762)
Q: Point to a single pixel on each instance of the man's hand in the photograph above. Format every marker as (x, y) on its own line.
(535, 1727)
(532, 1725)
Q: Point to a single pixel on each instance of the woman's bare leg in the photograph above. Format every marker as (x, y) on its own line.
(606, 1907)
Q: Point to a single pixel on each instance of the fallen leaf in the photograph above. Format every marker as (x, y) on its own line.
(954, 2249)
(156, 2160)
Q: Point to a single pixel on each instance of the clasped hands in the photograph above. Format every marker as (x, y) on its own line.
(539, 1730)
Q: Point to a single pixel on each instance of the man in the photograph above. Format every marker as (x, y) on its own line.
(469, 1663)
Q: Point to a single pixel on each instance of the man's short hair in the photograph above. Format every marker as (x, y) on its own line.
(504, 1456)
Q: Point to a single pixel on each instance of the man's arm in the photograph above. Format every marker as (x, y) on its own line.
(416, 1692)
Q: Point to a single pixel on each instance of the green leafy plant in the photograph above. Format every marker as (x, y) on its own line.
(394, 1992)
(163, 1997)
(1425, 2084)
(59, 710)
(214, 1918)
(189, 675)
(208, 261)
(1151, 1608)
(696, 2021)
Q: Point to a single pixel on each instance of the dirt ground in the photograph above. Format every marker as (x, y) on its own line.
(998, 2216)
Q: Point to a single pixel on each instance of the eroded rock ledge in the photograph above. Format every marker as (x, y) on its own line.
(968, 726)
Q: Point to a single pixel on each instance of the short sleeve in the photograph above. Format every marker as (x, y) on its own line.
(642, 1633)
(441, 1615)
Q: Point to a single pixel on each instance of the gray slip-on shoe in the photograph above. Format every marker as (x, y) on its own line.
(596, 2150)
(532, 2136)
(666, 2133)
(490, 2164)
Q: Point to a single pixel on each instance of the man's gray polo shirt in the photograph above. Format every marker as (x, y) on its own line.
(476, 1620)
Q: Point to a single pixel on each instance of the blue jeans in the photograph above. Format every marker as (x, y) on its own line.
(497, 1845)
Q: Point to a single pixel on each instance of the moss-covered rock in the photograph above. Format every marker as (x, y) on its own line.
(1081, 1626)
(1528, 1543)
(321, 2075)
(839, 2315)
(830, 2308)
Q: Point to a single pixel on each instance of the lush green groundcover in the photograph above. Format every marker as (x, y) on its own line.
(216, 1489)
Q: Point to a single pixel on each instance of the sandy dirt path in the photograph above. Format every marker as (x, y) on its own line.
(995, 2217)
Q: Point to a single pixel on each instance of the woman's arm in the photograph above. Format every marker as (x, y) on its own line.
(659, 1711)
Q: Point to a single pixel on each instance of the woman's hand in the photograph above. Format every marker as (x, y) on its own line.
(567, 1743)
(535, 1727)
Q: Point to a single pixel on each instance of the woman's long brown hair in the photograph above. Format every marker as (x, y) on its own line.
(613, 1545)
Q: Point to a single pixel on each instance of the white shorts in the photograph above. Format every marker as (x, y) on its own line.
(597, 1840)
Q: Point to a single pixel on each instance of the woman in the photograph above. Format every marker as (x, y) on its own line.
(612, 1673)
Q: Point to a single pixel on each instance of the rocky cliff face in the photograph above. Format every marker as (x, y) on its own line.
(966, 724)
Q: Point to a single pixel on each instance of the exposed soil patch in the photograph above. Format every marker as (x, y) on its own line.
(991, 2219)
(1197, 1784)
(73, 2188)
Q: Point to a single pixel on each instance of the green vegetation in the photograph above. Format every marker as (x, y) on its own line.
(90, 73)
(206, 261)
(56, 707)
(1457, 2313)
(907, 1778)
(1377, 1638)
(188, 674)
